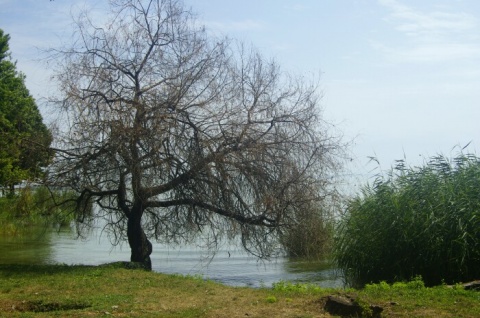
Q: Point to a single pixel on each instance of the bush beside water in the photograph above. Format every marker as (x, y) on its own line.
(34, 207)
(311, 237)
(415, 221)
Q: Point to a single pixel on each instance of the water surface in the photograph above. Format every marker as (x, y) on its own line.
(229, 265)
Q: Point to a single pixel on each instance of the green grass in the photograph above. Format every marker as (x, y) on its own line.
(88, 291)
(414, 297)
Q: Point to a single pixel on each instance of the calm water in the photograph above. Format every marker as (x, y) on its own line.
(229, 266)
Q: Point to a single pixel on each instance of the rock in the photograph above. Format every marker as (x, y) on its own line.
(340, 306)
(474, 285)
(347, 306)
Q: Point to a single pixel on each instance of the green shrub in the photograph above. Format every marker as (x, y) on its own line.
(415, 221)
(34, 207)
(310, 237)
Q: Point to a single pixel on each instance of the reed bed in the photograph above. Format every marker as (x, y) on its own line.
(415, 221)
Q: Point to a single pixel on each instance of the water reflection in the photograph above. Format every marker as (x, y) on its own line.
(321, 272)
(33, 247)
(229, 266)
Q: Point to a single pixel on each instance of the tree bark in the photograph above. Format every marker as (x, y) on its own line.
(11, 189)
(140, 246)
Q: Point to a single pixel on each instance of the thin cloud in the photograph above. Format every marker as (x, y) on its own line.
(434, 36)
(436, 23)
(296, 7)
(429, 53)
(235, 26)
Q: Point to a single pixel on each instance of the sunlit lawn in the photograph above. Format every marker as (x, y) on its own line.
(83, 291)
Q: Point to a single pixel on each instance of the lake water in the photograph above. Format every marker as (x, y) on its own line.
(228, 266)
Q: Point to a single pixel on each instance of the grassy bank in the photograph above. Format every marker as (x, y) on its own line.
(83, 291)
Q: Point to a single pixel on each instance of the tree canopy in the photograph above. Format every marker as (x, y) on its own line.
(24, 138)
(172, 132)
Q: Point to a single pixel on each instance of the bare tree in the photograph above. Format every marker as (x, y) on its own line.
(172, 132)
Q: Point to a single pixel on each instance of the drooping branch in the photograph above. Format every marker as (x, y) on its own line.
(254, 220)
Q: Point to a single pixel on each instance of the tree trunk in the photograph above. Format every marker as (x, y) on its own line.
(139, 244)
(11, 192)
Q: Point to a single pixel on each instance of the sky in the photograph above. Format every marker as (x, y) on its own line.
(400, 78)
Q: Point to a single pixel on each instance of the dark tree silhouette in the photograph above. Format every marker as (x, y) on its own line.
(171, 132)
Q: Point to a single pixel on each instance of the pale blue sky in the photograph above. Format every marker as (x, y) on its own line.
(398, 76)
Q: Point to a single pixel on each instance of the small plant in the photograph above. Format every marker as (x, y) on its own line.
(415, 283)
(271, 299)
(380, 286)
(366, 308)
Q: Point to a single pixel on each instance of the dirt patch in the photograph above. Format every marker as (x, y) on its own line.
(41, 306)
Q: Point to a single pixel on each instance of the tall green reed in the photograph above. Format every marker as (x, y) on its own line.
(414, 221)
